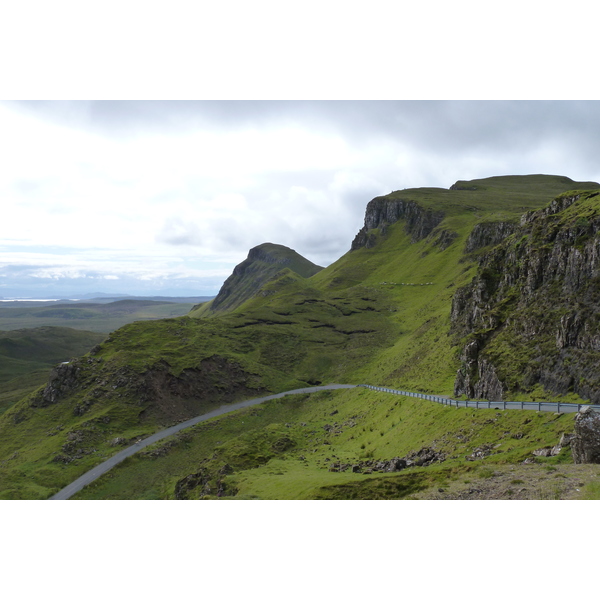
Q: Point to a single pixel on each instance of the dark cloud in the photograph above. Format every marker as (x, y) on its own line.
(438, 126)
(118, 118)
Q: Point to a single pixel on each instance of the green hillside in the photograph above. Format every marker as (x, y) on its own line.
(382, 314)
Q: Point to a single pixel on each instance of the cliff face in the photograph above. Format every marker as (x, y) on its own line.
(488, 234)
(530, 316)
(380, 212)
(263, 263)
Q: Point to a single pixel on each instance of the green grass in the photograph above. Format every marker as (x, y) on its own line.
(378, 315)
(591, 491)
(250, 442)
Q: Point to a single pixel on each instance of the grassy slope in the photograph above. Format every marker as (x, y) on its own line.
(348, 323)
(370, 425)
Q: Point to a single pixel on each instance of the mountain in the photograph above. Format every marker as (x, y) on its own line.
(441, 292)
(264, 262)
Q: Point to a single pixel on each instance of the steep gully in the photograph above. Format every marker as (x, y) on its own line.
(108, 464)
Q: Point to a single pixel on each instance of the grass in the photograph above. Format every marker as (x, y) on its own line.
(591, 491)
(299, 469)
(379, 315)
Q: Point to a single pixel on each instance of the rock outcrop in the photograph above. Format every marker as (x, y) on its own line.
(162, 395)
(417, 458)
(488, 234)
(383, 211)
(63, 380)
(530, 315)
(585, 445)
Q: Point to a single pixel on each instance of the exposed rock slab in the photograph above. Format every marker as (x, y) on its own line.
(585, 445)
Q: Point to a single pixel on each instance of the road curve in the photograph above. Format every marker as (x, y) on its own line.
(109, 463)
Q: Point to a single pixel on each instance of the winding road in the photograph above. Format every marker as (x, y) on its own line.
(108, 464)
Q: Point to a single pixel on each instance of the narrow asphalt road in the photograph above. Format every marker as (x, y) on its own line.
(108, 464)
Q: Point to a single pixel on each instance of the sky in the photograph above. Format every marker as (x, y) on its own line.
(166, 197)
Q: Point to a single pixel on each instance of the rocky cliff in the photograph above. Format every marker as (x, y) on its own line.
(383, 211)
(488, 234)
(530, 316)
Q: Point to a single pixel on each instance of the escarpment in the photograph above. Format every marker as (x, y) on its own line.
(383, 211)
(488, 234)
(530, 315)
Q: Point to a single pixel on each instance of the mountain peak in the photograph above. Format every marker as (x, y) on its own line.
(263, 263)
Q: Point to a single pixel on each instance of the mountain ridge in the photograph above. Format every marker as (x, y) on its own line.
(381, 314)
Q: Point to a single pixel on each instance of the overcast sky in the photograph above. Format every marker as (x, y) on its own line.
(167, 197)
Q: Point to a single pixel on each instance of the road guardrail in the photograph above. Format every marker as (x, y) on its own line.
(559, 407)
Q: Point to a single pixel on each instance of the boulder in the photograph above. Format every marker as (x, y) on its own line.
(396, 464)
(585, 445)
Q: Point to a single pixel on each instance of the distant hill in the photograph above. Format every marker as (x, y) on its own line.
(104, 315)
(263, 263)
(105, 298)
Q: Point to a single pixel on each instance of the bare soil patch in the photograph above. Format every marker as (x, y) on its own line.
(517, 482)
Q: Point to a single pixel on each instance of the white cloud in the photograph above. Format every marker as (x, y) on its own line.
(152, 192)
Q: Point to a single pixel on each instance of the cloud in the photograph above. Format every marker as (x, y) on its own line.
(174, 191)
